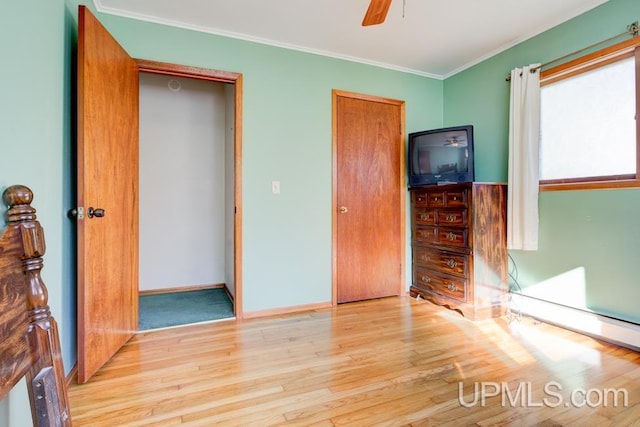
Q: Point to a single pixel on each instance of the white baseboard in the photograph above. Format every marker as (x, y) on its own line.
(602, 327)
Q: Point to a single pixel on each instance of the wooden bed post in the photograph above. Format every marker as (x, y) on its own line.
(45, 376)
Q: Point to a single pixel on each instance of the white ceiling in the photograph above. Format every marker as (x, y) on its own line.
(435, 38)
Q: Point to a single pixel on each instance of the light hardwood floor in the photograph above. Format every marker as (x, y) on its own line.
(392, 362)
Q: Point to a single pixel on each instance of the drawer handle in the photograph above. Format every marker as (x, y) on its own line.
(419, 199)
(451, 236)
(424, 217)
(426, 279)
(455, 198)
(425, 258)
(451, 263)
(451, 287)
(451, 218)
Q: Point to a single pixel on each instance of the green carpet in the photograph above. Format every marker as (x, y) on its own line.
(181, 308)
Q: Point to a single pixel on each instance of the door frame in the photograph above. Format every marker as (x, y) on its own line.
(156, 67)
(335, 93)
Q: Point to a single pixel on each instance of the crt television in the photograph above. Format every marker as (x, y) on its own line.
(440, 156)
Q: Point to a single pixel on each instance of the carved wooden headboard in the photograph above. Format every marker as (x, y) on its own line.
(30, 344)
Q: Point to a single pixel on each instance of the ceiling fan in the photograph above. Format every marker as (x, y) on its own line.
(454, 141)
(376, 13)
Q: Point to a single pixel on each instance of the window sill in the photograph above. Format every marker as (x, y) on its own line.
(591, 185)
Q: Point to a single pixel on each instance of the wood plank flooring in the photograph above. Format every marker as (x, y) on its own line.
(390, 362)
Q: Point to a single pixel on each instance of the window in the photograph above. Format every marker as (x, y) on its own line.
(589, 133)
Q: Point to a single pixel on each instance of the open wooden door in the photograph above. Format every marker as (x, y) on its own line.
(107, 162)
(369, 189)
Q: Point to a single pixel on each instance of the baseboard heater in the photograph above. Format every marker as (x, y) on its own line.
(608, 329)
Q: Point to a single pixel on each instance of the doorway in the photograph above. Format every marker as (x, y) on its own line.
(228, 87)
(368, 197)
(186, 200)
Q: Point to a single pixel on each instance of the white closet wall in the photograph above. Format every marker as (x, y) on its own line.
(182, 182)
(230, 188)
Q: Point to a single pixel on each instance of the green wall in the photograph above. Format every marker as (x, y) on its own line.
(590, 236)
(286, 137)
(35, 143)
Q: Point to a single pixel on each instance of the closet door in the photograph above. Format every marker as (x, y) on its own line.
(107, 162)
(369, 196)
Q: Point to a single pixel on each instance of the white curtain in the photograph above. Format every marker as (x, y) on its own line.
(524, 139)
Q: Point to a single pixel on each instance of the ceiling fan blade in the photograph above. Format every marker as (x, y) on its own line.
(377, 12)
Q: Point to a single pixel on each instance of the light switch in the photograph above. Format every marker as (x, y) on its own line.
(275, 187)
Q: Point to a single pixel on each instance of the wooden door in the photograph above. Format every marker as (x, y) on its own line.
(369, 189)
(107, 162)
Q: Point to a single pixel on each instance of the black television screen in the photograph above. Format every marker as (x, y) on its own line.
(441, 156)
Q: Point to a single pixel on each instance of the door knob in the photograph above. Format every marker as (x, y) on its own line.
(343, 209)
(97, 212)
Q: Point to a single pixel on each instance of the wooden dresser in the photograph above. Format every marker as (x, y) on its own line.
(458, 241)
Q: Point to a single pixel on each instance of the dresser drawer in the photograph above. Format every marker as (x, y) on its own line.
(435, 199)
(452, 236)
(455, 199)
(453, 287)
(425, 234)
(449, 262)
(424, 216)
(452, 217)
(424, 257)
(419, 199)
(442, 261)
